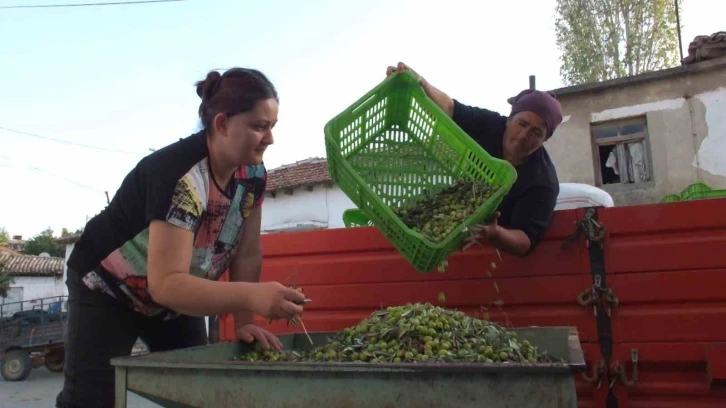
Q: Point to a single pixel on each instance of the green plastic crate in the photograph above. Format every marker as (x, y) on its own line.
(696, 191)
(670, 198)
(700, 191)
(393, 143)
(356, 218)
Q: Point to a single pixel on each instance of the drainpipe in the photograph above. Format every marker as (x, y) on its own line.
(691, 117)
(213, 329)
(678, 25)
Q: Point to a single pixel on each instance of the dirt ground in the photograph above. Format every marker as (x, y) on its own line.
(40, 389)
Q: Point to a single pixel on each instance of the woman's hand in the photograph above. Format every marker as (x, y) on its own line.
(439, 98)
(274, 301)
(511, 241)
(488, 232)
(490, 229)
(401, 67)
(251, 332)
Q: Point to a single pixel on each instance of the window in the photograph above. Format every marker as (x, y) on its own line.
(621, 152)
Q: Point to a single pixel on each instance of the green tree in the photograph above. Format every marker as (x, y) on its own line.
(607, 39)
(4, 236)
(66, 233)
(5, 281)
(43, 242)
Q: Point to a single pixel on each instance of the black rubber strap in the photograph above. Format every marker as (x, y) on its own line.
(599, 282)
(604, 323)
(611, 401)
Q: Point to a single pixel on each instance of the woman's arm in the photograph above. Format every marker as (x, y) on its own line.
(482, 125)
(171, 284)
(531, 216)
(247, 263)
(512, 241)
(439, 97)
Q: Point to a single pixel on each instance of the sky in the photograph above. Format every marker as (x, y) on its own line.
(112, 82)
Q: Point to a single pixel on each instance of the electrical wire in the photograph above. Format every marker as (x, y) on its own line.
(19, 132)
(114, 3)
(39, 169)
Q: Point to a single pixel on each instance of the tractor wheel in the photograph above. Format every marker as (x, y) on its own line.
(55, 362)
(16, 365)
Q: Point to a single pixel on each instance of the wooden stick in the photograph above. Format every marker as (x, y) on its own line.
(306, 332)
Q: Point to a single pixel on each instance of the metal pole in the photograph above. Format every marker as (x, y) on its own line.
(531, 82)
(678, 23)
(213, 328)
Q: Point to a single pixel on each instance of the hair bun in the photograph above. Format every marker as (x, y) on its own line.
(207, 88)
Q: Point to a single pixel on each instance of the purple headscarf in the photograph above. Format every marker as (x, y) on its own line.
(542, 104)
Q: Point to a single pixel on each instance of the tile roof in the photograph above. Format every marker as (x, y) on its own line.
(706, 47)
(306, 172)
(68, 239)
(4, 249)
(31, 265)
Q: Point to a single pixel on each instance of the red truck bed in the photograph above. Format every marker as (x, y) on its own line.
(665, 264)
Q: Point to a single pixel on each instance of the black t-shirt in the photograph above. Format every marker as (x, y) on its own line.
(174, 184)
(529, 204)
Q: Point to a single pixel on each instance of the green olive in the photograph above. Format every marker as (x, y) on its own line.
(414, 333)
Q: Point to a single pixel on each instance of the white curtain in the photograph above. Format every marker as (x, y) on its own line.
(633, 156)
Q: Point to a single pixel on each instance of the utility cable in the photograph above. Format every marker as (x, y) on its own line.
(54, 175)
(67, 142)
(114, 3)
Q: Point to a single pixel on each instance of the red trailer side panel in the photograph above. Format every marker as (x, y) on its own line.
(666, 264)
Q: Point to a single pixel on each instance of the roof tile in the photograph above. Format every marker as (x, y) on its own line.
(31, 265)
(302, 173)
(4, 249)
(68, 239)
(706, 47)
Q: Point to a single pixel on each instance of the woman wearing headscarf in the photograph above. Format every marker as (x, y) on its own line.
(526, 211)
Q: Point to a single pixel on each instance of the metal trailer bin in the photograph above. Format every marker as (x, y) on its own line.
(207, 376)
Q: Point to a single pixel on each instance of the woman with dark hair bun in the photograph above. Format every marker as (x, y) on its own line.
(148, 265)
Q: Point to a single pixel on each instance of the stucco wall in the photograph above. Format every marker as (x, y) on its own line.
(686, 119)
(36, 287)
(322, 207)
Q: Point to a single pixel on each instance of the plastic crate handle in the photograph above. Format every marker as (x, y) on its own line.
(365, 99)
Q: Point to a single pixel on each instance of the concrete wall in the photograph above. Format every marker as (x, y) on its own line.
(36, 287)
(322, 207)
(686, 124)
(29, 288)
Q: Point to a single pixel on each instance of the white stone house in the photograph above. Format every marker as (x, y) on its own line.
(301, 196)
(34, 278)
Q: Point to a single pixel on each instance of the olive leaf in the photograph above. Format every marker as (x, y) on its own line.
(413, 333)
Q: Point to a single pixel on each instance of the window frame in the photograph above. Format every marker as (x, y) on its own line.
(619, 142)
